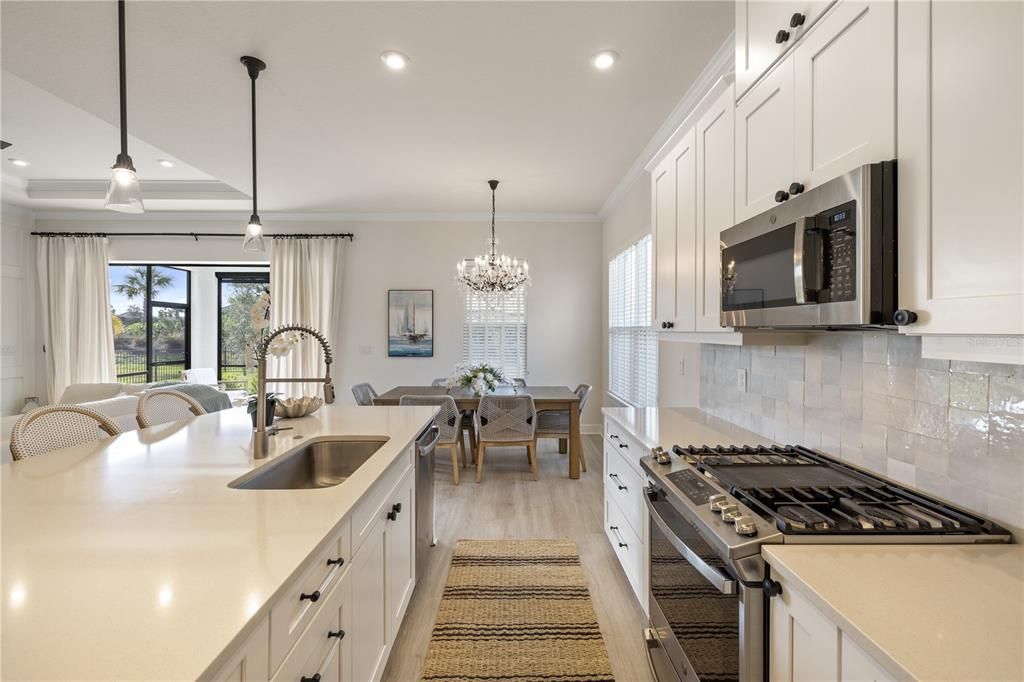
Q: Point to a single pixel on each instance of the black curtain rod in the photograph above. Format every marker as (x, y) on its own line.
(194, 235)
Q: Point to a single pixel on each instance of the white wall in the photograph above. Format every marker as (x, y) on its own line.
(21, 357)
(563, 307)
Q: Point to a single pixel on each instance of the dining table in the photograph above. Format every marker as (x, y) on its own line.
(560, 398)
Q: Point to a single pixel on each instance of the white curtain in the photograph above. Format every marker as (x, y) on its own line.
(305, 288)
(78, 336)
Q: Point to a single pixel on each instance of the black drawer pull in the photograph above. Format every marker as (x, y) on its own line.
(340, 634)
(616, 530)
(315, 678)
(615, 477)
(396, 509)
(336, 562)
(314, 596)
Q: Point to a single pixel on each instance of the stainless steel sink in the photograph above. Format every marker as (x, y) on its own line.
(321, 464)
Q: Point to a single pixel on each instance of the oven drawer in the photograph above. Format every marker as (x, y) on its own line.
(628, 546)
(623, 485)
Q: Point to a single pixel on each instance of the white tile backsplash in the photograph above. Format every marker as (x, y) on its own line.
(954, 429)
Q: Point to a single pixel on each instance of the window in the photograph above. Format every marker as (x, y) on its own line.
(150, 314)
(632, 344)
(236, 294)
(494, 331)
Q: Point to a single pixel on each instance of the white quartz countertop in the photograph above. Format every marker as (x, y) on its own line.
(132, 559)
(926, 612)
(668, 426)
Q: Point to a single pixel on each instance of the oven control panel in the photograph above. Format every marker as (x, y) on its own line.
(837, 228)
(693, 485)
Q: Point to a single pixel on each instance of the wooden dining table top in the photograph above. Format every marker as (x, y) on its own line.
(464, 396)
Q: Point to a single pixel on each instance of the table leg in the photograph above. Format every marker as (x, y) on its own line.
(575, 444)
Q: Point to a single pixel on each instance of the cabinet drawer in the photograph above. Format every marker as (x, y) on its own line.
(305, 596)
(368, 509)
(623, 442)
(324, 647)
(623, 485)
(627, 545)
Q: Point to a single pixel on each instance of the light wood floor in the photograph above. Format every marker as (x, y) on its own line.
(508, 504)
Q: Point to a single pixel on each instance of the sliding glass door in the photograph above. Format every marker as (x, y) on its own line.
(237, 292)
(150, 315)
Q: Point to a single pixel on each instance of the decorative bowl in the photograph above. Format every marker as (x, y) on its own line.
(292, 408)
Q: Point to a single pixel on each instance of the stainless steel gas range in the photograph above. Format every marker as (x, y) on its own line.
(711, 509)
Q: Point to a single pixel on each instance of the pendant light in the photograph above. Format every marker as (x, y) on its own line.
(254, 230)
(492, 275)
(123, 194)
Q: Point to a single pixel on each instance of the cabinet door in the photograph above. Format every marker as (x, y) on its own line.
(857, 666)
(250, 662)
(764, 142)
(845, 91)
(663, 211)
(758, 23)
(804, 644)
(961, 155)
(370, 630)
(400, 554)
(685, 162)
(715, 204)
(324, 650)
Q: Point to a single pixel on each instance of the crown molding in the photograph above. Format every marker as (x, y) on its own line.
(317, 217)
(721, 65)
(19, 213)
(184, 190)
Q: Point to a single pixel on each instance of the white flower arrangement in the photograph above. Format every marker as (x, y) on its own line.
(482, 378)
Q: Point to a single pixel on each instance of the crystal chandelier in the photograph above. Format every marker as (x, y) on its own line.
(493, 274)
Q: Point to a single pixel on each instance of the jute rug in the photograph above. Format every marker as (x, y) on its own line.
(516, 610)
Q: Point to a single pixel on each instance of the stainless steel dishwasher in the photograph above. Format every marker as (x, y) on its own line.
(426, 443)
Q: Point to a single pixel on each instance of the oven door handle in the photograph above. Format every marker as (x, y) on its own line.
(799, 280)
(722, 583)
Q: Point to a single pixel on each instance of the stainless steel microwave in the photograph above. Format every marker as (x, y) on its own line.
(821, 258)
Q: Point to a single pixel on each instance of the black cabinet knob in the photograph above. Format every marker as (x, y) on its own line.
(771, 587)
(313, 596)
(669, 325)
(663, 325)
(797, 20)
(340, 634)
(782, 36)
(796, 188)
(781, 195)
(396, 509)
(903, 317)
(315, 678)
(336, 562)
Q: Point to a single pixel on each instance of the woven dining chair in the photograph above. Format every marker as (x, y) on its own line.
(506, 420)
(448, 422)
(364, 394)
(163, 405)
(439, 382)
(519, 382)
(53, 427)
(555, 423)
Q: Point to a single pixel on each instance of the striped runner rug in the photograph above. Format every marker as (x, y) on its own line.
(516, 610)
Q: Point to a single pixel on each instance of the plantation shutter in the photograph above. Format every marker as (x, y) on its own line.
(494, 332)
(632, 344)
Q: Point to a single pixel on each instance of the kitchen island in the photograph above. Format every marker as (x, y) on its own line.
(133, 559)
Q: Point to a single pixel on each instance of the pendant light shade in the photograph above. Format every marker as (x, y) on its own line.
(123, 194)
(254, 230)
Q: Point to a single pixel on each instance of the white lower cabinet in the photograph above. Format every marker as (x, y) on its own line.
(806, 646)
(338, 619)
(625, 514)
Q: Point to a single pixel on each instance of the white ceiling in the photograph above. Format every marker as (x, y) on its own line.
(494, 89)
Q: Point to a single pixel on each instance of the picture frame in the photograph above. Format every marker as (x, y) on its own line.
(410, 323)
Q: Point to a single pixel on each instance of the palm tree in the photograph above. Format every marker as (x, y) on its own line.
(134, 284)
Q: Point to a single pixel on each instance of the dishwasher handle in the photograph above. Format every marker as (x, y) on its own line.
(426, 443)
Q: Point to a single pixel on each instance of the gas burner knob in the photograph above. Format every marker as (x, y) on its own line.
(716, 502)
(731, 512)
(745, 525)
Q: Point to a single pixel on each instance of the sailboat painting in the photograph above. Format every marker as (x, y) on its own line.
(410, 323)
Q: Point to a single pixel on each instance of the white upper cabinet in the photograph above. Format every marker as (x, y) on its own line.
(764, 142)
(961, 154)
(663, 210)
(715, 209)
(845, 89)
(686, 232)
(765, 29)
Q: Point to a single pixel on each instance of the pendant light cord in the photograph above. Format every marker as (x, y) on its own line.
(494, 253)
(124, 79)
(254, 211)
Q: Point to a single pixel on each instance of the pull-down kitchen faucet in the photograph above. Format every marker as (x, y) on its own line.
(261, 436)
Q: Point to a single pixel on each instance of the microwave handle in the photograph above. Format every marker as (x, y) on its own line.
(801, 265)
(722, 583)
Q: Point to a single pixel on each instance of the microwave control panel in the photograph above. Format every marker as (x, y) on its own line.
(837, 228)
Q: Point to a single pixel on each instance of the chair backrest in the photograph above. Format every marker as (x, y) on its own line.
(200, 375)
(506, 418)
(364, 394)
(439, 382)
(583, 391)
(58, 426)
(448, 420)
(163, 405)
(519, 382)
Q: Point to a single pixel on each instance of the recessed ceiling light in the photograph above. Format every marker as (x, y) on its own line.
(165, 163)
(19, 162)
(604, 59)
(396, 61)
